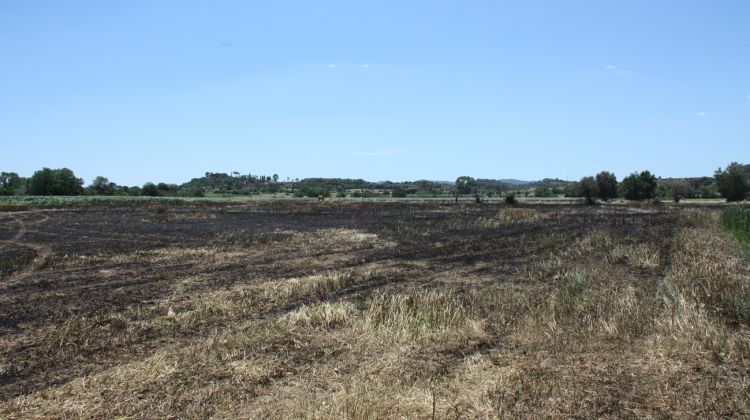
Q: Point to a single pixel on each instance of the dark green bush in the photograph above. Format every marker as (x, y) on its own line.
(542, 192)
(149, 189)
(733, 183)
(55, 182)
(312, 192)
(398, 192)
(607, 185)
(639, 186)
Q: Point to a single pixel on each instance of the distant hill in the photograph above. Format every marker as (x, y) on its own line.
(515, 181)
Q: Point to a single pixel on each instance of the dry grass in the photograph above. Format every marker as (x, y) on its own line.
(617, 322)
(322, 315)
(417, 312)
(710, 268)
(590, 304)
(510, 216)
(514, 215)
(338, 240)
(638, 255)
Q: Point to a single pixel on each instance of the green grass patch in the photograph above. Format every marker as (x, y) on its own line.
(737, 220)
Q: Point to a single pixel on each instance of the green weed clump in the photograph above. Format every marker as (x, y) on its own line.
(737, 220)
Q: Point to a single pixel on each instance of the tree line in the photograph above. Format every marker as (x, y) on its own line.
(731, 183)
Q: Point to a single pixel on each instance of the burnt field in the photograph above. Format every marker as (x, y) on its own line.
(295, 309)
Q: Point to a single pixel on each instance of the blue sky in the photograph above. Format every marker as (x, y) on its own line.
(167, 90)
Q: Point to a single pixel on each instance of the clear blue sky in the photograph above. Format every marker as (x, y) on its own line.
(167, 90)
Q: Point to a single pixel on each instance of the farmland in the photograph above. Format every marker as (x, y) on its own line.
(371, 309)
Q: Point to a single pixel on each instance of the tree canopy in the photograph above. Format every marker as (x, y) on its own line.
(606, 183)
(465, 185)
(150, 190)
(733, 183)
(639, 186)
(55, 182)
(10, 183)
(589, 189)
(102, 186)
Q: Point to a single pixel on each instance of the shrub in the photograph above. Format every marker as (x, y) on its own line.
(510, 198)
(572, 190)
(542, 192)
(315, 192)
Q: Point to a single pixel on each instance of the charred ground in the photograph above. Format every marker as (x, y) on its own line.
(367, 309)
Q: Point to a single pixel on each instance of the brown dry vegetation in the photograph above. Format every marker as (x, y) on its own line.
(372, 310)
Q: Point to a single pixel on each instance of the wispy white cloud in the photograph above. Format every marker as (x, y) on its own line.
(702, 114)
(614, 69)
(385, 152)
(333, 66)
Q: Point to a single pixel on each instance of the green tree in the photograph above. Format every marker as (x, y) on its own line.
(589, 189)
(465, 185)
(149, 189)
(639, 186)
(10, 183)
(732, 183)
(55, 182)
(606, 182)
(102, 186)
